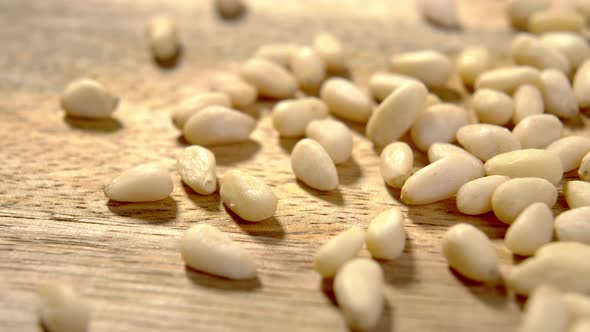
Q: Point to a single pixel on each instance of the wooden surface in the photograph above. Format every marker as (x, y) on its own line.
(56, 225)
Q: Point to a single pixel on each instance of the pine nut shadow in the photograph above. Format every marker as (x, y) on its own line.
(208, 202)
(269, 228)
(400, 271)
(491, 295)
(230, 154)
(207, 280)
(288, 143)
(333, 196)
(105, 125)
(172, 62)
(155, 212)
(349, 172)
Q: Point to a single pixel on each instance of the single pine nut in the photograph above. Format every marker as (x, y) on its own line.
(382, 84)
(469, 252)
(337, 251)
(493, 107)
(570, 150)
(520, 11)
(358, 287)
(564, 249)
(312, 164)
(205, 248)
(584, 170)
(277, 53)
(572, 45)
(230, 8)
(270, 79)
(555, 21)
(475, 197)
(346, 100)
(545, 310)
(527, 101)
(538, 131)
(439, 151)
(386, 236)
(513, 196)
(580, 325)
(216, 125)
(308, 68)
(440, 180)
(471, 62)
(532, 229)
(577, 194)
(329, 48)
(291, 117)
(438, 124)
(558, 95)
(528, 50)
(334, 136)
(581, 85)
(526, 163)
(249, 197)
(440, 12)
(163, 37)
(486, 141)
(430, 67)
(88, 99)
(397, 160)
(578, 305)
(143, 183)
(196, 166)
(396, 114)
(239, 92)
(191, 106)
(62, 309)
(574, 225)
(508, 79)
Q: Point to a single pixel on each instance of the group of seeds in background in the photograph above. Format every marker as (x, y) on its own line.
(512, 173)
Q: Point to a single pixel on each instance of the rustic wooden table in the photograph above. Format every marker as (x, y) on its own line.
(56, 225)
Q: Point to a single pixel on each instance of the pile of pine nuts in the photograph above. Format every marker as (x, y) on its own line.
(512, 173)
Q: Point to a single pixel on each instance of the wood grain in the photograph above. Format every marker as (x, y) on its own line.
(56, 225)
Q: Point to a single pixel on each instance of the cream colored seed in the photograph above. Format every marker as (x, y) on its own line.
(513, 196)
(577, 194)
(555, 21)
(508, 79)
(430, 67)
(270, 79)
(493, 107)
(532, 229)
(528, 50)
(440, 12)
(486, 141)
(334, 136)
(215, 125)
(471, 62)
(308, 67)
(382, 84)
(564, 249)
(572, 45)
(358, 287)
(438, 124)
(558, 95)
(570, 150)
(337, 251)
(574, 225)
(440, 180)
(584, 170)
(239, 92)
(230, 8)
(277, 53)
(519, 11)
(475, 196)
(249, 197)
(331, 51)
(88, 99)
(191, 106)
(61, 309)
(291, 117)
(538, 131)
(163, 37)
(439, 151)
(578, 305)
(143, 183)
(581, 85)
(386, 236)
(397, 160)
(527, 101)
(205, 248)
(526, 163)
(196, 166)
(346, 100)
(469, 251)
(545, 310)
(396, 114)
(312, 164)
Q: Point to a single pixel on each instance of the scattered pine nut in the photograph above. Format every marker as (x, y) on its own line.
(382, 84)
(520, 11)
(493, 107)
(574, 225)
(439, 151)
(190, 107)
(538, 131)
(527, 50)
(558, 95)
(486, 141)
(334, 136)
(291, 117)
(570, 150)
(527, 101)
(545, 310)
(513, 196)
(584, 170)
(249, 197)
(471, 62)
(215, 125)
(312, 164)
(397, 160)
(581, 85)
(577, 194)
(337, 251)
(573, 46)
(143, 183)
(61, 309)
(438, 124)
(508, 79)
(308, 67)
(270, 79)
(475, 196)
(230, 8)
(430, 67)
(532, 229)
(440, 12)
(346, 100)
(329, 48)
(526, 163)
(88, 99)
(555, 21)
(163, 38)
(196, 166)
(239, 92)
(386, 236)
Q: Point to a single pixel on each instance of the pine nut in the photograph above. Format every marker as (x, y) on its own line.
(61, 309)
(555, 21)
(558, 95)
(358, 288)
(526, 163)
(206, 248)
(513, 196)
(277, 53)
(397, 160)
(471, 62)
(582, 85)
(331, 51)
(570, 150)
(578, 305)
(196, 166)
(143, 183)
(571, 45)
(383, 84)
(508, 79)
(440, 12)
(216, 125)
(291, 117)
(527, 101)
(308, 68)
(249, 197)
(493, 107)
(545, 310)
(532, 229)
(337, 251)
(520, 11)
(577, 194)
(486, 141)
(333, 136)
(430, 67)
(573, 225)
(528, 50)
(230, 8)
(584, 170)
(88, 99)
(564, 249)
(386, 236)
(469, 252)
(270, 79)
(538, 131)
(163, 38)
(475, 197)
(438, 124)
(396, 114)
(439, 151)
(190, 107)
(239, 92)
(346, 100)
(312, 164)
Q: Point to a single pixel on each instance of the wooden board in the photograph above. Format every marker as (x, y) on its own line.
(56, 225)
